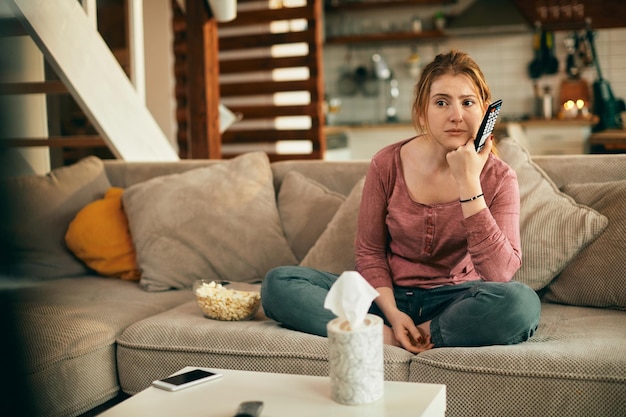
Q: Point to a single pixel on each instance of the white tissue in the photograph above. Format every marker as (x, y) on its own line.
(350, 298)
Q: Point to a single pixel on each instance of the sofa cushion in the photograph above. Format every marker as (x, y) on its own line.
(41, 208)
(595, 277)
(306, 207)
(553, 227)
(334, 251)
(100, 237)
(216, 223)
(160, 345)
(575, 362)
(69, 327)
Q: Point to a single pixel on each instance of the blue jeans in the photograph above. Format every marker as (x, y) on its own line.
(475, 313)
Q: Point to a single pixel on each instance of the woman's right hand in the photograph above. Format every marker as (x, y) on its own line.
(408, 335)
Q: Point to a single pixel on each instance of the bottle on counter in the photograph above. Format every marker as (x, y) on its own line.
(416, 24)
(547, 103)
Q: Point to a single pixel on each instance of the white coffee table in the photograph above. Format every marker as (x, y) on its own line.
(283, 395)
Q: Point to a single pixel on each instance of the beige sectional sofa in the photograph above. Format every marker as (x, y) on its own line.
(86, 337)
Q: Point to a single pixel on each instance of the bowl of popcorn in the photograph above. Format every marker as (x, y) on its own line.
(220, 303)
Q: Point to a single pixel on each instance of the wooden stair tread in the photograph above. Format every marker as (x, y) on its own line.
(83, 141)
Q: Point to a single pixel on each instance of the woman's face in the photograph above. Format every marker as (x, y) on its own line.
(454, 111)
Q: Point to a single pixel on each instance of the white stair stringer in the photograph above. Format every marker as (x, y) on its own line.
(84, 63)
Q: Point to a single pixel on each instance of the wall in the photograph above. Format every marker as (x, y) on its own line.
(159, 69)
(503, 58)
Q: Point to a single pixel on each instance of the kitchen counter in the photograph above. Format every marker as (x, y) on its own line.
(541, 136)
(500, 125)
(608, 141)
(334, 129)
(363, 140)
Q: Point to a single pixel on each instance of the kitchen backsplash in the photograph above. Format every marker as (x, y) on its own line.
(504, 59)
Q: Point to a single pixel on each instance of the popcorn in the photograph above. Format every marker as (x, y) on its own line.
(220, 303)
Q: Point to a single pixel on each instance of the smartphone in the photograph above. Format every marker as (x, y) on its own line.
(486, 127)
(186, 379)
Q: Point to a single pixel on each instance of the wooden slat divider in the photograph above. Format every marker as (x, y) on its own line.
(268, 135)
(203, 90)
(266, 16)
(264, 87)
(259, 84)
(266, 112)
(257, 41)
(235, 66)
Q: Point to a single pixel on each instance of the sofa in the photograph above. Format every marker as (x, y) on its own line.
(90, 333)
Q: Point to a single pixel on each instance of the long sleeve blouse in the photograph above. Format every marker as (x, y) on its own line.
(404, 243)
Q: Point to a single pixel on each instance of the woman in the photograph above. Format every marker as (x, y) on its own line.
(438, 231)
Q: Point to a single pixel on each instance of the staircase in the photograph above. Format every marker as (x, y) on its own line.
(84, 67)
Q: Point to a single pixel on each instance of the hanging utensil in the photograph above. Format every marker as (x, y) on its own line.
(584, 50)
(346, 84)
(551, 64)
(571, 68)
(535, 68)
(605, 105)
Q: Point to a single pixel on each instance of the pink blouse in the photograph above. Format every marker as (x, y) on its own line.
(404, 243)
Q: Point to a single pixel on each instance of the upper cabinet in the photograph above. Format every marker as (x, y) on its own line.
(386, 37)
(573, 14)
(355, 30)
(416, 19)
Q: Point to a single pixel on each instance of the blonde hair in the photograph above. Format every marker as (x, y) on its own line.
(453, 63)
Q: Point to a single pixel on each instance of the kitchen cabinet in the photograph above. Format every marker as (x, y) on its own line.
(363, 141)
(608, 141)
(573, 14)
(554, 137)
(335, 7)
(428, 35)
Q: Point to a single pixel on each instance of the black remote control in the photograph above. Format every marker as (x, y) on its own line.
(249, 409)
(487, 125)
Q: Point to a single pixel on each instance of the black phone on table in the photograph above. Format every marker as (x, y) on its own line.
(249, 409)
(186, 379)
(487, 125)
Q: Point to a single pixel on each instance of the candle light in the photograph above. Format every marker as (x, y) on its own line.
(569, 109)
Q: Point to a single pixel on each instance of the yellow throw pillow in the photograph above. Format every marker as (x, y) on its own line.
(100, 237)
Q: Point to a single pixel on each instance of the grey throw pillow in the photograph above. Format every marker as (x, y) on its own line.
(40, 209)
(306, 207)
(216, 223)
(334, 251)
(553, 227)
(596, 277)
